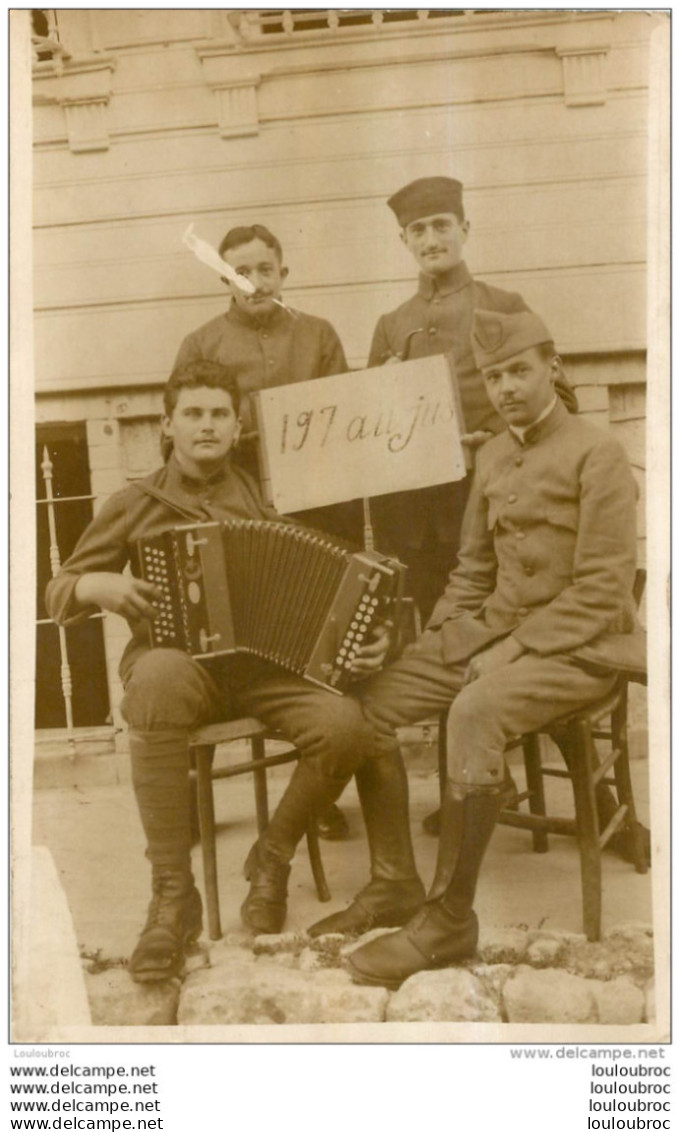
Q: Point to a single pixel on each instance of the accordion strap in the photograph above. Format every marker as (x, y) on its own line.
(155, 493)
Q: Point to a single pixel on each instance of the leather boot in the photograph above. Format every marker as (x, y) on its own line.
(395, 890)
(264, 908)
(267, 866)
(445, 930)
(509, 801)
(160, 776)
(332, 825)
(174, 922)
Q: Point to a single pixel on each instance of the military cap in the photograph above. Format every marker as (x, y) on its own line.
(425, 197)
(496, 336)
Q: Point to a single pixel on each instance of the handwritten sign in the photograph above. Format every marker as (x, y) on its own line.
(356, 435)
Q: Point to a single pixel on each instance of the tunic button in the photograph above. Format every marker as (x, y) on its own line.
(432, 330)
(522, 612)
(264, 334)
(520, 534)
(519, 460)
(529, 571)
(512, 499)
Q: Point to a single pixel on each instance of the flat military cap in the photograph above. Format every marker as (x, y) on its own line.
(497, 336)
(426, 197)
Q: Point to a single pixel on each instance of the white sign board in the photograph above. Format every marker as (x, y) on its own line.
(356, 435)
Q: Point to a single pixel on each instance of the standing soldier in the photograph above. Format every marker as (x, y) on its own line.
(422, 527)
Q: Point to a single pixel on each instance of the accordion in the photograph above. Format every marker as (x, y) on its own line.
(284, 593)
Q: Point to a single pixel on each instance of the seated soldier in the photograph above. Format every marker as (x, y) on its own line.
(167, 693)
(534, 621)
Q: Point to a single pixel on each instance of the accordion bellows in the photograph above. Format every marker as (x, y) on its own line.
(289, 595)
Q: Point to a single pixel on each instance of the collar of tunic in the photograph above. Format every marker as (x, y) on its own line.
(277, 316)
(521, 431)
(175, 477)
(454, 280)
(543, 427)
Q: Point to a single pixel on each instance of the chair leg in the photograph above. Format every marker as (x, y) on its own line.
(206, 819)
(624, 785)
(322, 889)
(580, 757)
(532, 765)
(260, 783)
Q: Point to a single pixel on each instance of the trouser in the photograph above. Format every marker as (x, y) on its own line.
(168, 694)
(484, 715)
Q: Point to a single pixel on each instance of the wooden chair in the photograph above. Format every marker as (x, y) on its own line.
(202, 743)
(576, 734)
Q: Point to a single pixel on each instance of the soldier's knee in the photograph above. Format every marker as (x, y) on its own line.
(166, 689)
(340, 737)
(474, 742)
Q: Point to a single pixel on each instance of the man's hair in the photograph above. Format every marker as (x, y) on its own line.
(198, 375)
(236, 237)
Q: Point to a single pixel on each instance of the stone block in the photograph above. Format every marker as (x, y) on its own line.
(545, 952)
(226, 953)
(503, 945)
(315, 961)
(493, 976)
(452, 995)
(625, 949)
(619, 1002)
(196, 958)
(632, 946)
(252, 995)
(275, 944)
(590, 960)
(279, 959)
(633, 932)
(548, 996)
(116, 1000)
(330, 947)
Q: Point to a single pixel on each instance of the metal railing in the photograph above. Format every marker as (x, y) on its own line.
(51, 503)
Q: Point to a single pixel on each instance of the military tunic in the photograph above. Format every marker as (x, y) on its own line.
(262, 353)
(284, 347)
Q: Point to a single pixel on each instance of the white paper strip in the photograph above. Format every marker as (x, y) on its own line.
(207, 255)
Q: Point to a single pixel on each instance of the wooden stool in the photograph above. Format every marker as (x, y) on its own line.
(202, 743)
(575, 734)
